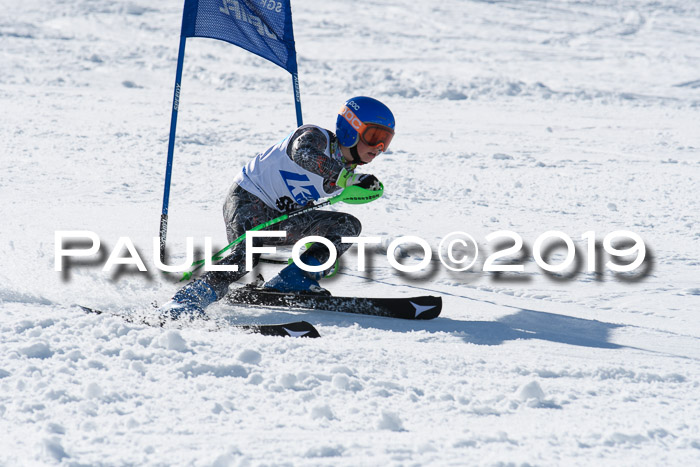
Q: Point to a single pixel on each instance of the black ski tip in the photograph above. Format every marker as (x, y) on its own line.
(89, 310)
(427, 307)
(295, 329)
(304, 328)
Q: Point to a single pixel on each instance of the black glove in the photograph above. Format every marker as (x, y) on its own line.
(366, 181)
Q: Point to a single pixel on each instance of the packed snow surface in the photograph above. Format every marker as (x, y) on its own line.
(525, 116)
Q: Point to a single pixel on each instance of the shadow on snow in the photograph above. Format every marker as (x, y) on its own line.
(524, 324)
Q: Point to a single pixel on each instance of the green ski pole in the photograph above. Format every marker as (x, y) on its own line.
(351, 195)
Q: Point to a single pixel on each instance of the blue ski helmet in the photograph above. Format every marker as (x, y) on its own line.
(367, 119)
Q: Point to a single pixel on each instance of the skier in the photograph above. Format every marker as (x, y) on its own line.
(310, 163)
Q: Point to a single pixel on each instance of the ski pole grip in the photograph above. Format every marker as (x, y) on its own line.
(358, 195)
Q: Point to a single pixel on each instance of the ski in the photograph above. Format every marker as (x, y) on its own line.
(423, 307)
(294, 329)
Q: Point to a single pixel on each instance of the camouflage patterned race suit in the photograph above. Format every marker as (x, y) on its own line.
(243, 211)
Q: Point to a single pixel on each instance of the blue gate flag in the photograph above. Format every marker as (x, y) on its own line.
(263, 27)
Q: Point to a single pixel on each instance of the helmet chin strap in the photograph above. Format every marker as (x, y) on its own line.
(356, 156)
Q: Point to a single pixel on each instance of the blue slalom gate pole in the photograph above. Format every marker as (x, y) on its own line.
(171, 148)
(297, 98)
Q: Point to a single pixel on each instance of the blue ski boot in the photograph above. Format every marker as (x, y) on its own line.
(293, 279)
(190, 301)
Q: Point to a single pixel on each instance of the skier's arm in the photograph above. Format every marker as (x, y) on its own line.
(308, 150)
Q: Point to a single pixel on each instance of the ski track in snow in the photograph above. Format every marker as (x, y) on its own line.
(526, 116)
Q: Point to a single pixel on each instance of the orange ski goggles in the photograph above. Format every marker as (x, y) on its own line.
(372, 134)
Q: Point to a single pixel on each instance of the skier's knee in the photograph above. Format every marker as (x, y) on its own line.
(352, 225)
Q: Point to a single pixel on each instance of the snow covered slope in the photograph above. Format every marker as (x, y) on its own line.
(525, 116)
